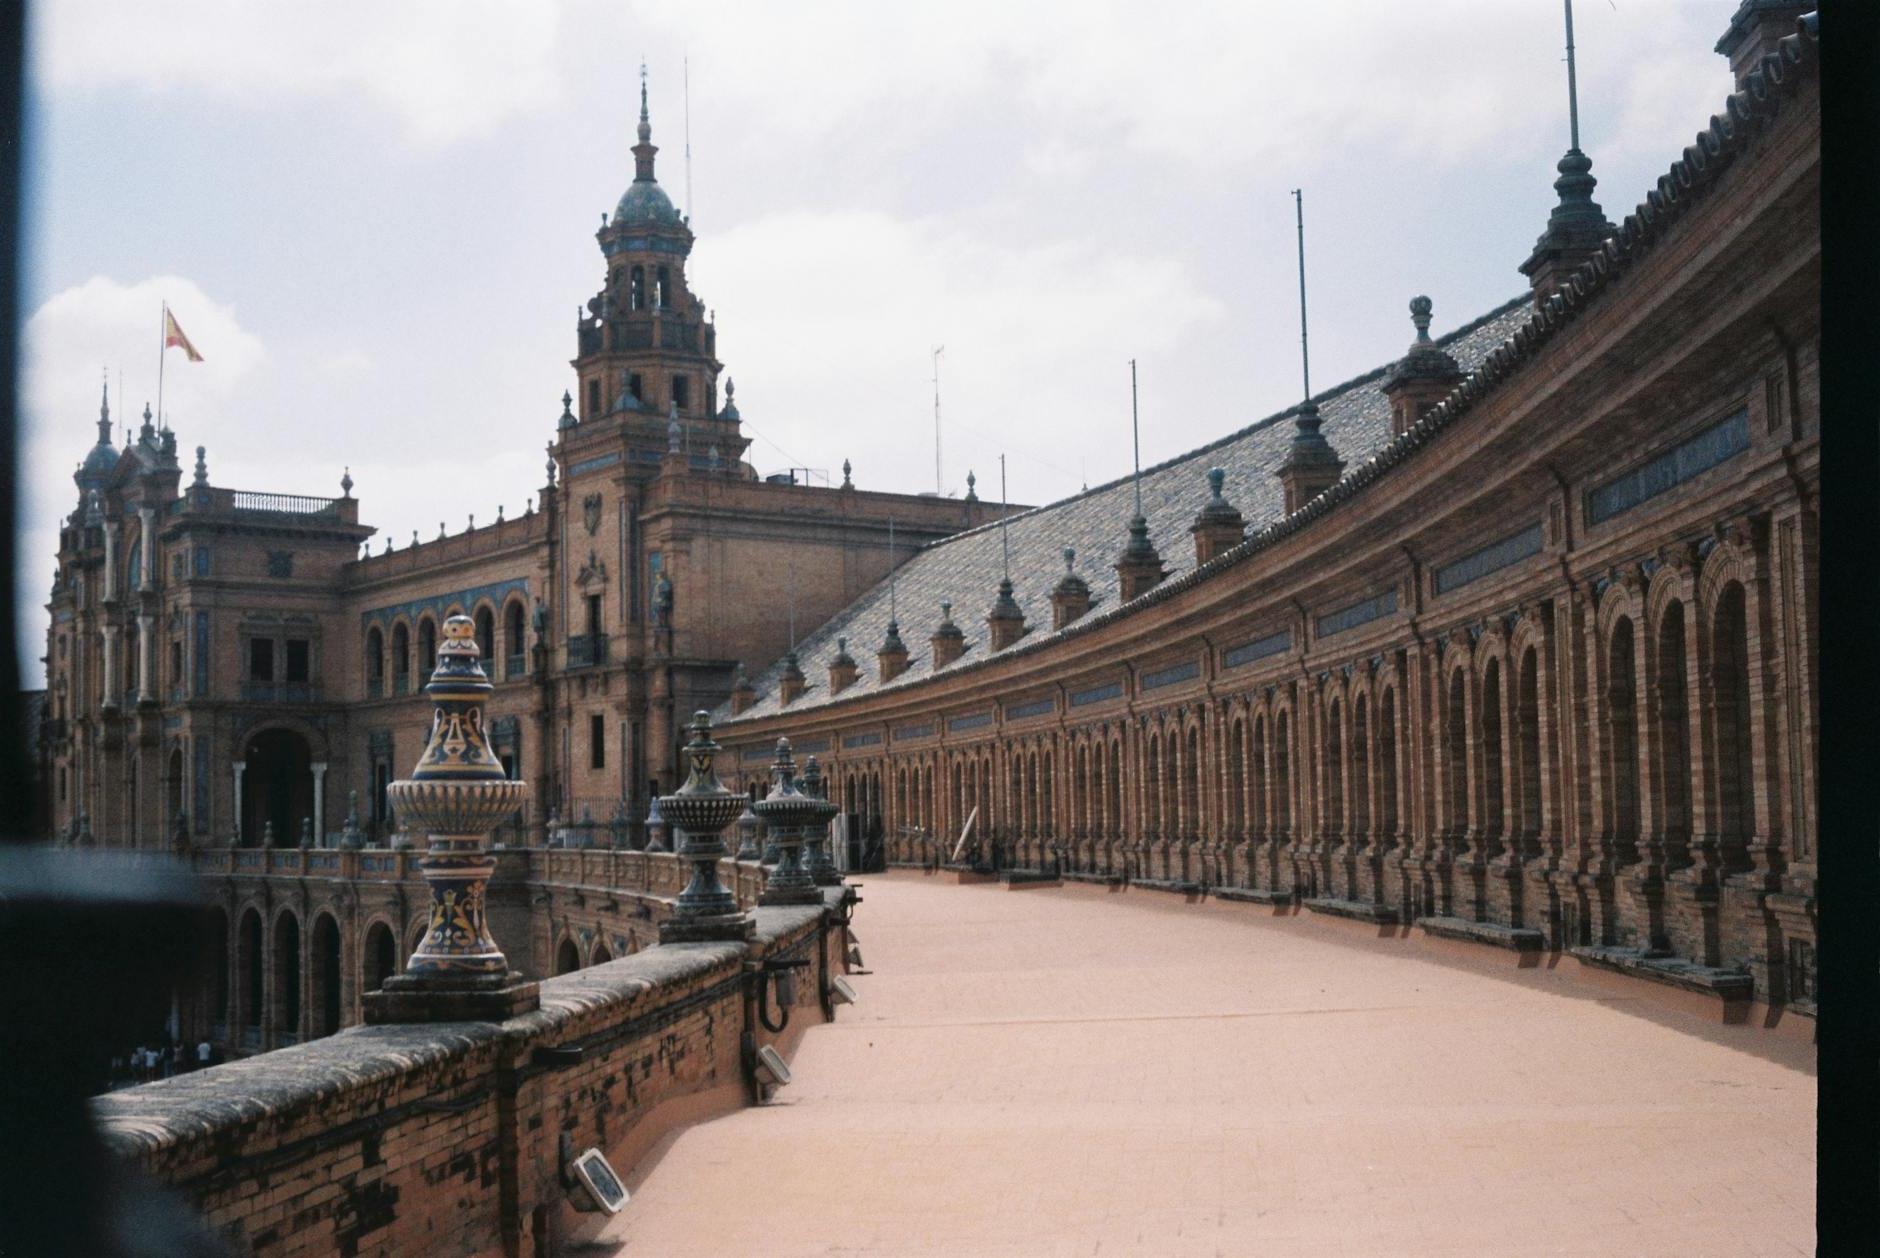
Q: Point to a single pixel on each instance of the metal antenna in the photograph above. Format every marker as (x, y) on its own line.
(938, 486)
(1005, 544)
(1573, 88)
(892, 617)
(1305, 362)
(687, 63)
(1135, 433)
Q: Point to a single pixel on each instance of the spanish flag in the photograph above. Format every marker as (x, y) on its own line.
(173, 335)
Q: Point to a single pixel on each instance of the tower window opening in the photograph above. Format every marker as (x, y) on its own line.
(593, 397)
(681, 393)
(597, 741)
(634, 386)
(664, 294)
(636, 289)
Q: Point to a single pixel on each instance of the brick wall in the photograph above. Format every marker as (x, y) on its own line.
(446, 1139)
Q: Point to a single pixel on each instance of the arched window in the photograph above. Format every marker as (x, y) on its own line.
(401, 658)
(1527, 715)
(328, 1009)
(252, 976)
(1491, 754)
(1674, 726)
(286, 979)
(1387, 763)
(1282, 775)
(1256, 758)
(567, 957)
(1622, 735)
(515, 640)
(1456, 757)
(1191, 785)
(664, 295)
(1334, 770)
(1735, 765)
(486, 636)
(636, 288)
(427, 649)
(1360, 766)
(1236, 780)
(381, 959)
(375, 662)
(1152, 778)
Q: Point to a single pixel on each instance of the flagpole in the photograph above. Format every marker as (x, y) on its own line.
(163, 329)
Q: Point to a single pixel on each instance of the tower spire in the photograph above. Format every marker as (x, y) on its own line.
(644, 150)
(104, 413)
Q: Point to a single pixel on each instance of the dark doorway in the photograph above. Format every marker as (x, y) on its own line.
(328, 1008)
(381, 956)
(277, 787)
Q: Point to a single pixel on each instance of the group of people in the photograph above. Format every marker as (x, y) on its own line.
(148, 1062)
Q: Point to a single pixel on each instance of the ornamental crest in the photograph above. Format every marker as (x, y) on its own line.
(591, 513)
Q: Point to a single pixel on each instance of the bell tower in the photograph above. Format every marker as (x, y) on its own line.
(645, 348)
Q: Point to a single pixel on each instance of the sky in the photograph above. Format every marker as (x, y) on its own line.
(375, 222)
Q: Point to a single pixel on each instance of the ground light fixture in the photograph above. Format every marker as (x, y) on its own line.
(772, 1071)
(593, 1185)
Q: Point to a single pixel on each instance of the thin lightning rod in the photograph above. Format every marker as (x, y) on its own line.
(1573, 88)
(1135, 433)
(938, 486)
(688, 136)
(892, 615)
(1305, 362)
(1005, 545)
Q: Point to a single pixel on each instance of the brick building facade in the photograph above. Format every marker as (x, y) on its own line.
(227, 668)
(1530, 657)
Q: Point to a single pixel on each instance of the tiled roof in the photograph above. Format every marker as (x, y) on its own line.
(965, 569)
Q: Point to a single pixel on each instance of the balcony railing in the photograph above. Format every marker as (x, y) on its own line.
(515, 666)
(587, 650)
(285, 504)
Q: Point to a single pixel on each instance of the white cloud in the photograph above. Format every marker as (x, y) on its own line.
(446, 69)
(1206, 82)
(844, 308)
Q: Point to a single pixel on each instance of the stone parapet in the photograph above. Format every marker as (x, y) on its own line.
(405, 1139)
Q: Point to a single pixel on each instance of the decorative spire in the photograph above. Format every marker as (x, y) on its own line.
(847, 480)
(345, 482)
(1070, 597)
(1577, 226)
(972, 494)
(149, 432)
(1218, 526)
(948, 640)
(202, 465)
(644, 150)
(104, 416)
(1005, 622)
(731, 406)
(567, 419)
(551, 465)
(1420, 379)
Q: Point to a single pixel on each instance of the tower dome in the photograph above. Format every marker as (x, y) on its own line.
(644, 202)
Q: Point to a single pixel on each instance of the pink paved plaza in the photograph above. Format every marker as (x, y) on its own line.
(1074, 1072)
